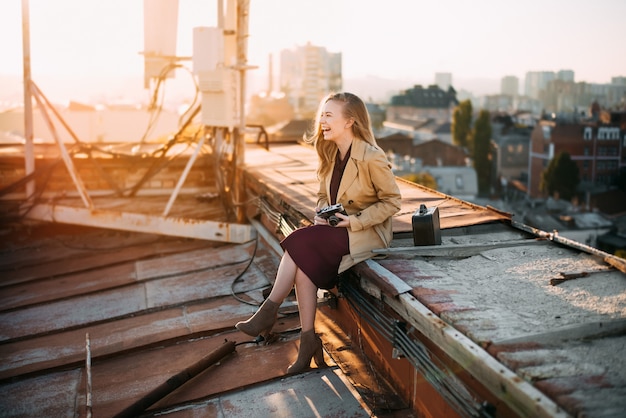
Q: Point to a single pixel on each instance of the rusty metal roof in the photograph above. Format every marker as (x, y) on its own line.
(522, 312)
(147, 306)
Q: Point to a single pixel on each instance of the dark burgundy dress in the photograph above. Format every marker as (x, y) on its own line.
(318, 249)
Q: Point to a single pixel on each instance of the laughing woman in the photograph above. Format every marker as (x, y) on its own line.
(352, 171)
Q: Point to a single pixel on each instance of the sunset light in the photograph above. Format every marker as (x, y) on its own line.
(89, 49)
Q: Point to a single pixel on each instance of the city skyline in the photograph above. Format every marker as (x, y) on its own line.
(92, 43)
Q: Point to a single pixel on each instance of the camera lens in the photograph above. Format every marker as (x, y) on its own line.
(333, 220)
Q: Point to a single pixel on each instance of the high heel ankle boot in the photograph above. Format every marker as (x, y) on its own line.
(262, 321)
(310, 347)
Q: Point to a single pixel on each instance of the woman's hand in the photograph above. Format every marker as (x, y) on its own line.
(317, 220)
(344, 220)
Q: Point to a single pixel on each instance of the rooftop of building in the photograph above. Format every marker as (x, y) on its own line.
(431, 97)
(535, 321)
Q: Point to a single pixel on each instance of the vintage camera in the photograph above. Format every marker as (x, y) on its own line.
(329, 212)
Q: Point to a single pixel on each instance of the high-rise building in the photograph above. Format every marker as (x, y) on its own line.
(565, 75)
(307, 74)
(536, 81)
(443, 80)
(509, 85)
(620, 80)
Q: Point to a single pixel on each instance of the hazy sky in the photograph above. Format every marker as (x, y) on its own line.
(387, 38)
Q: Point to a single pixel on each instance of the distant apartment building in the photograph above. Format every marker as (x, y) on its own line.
(597, 147)
(618, 81)
(509, 86)
(307, 74)
(422, 104)
(561, 96)
(534, 107)
(565, 75)
(499, 103)
(536, 81)
(443, 80)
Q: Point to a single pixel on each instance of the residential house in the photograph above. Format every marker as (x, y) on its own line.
(438, 153)
(597, 146)
(419, 103)
(447, 163)
(512, 142)
(397, 144)
(460, 182)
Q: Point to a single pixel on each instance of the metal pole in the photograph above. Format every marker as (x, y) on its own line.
(64, 153)
(243, 7)
(88, 370)
(183, 177)
(29, 148)
(220, 14)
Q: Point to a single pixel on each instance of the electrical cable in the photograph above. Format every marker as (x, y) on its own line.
(162, 152)
(440, 377)
(240, 275)
(258, 340)
(154, 105)
(88, 149)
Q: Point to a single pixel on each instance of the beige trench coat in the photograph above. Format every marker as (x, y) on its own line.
(370, 195)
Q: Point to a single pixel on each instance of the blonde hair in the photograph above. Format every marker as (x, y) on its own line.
(352, 108)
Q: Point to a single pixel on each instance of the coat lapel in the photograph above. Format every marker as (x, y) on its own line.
(357, 154)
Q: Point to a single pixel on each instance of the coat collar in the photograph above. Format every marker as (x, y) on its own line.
(359, 147)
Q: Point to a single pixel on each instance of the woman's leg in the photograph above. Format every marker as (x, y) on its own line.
(263, 320)
(306, 293)
(289, 275)
(285, 279)
(310, 343)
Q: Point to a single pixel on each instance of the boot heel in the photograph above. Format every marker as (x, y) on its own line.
(310, 347)
(318, 357)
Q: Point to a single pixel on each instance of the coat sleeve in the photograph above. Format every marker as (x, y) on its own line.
(322, 197)
(387, 201)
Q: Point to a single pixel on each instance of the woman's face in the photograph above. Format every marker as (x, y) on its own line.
(333, 124)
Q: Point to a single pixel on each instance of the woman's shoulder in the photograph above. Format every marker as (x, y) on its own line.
(365, 150)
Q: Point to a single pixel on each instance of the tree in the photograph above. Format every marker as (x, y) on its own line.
(561, 176)
(482, 151)
(423, 178)
(462, 124)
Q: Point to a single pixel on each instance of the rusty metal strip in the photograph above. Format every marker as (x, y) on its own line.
(458, 250)
(613, 260)
(126, 221)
